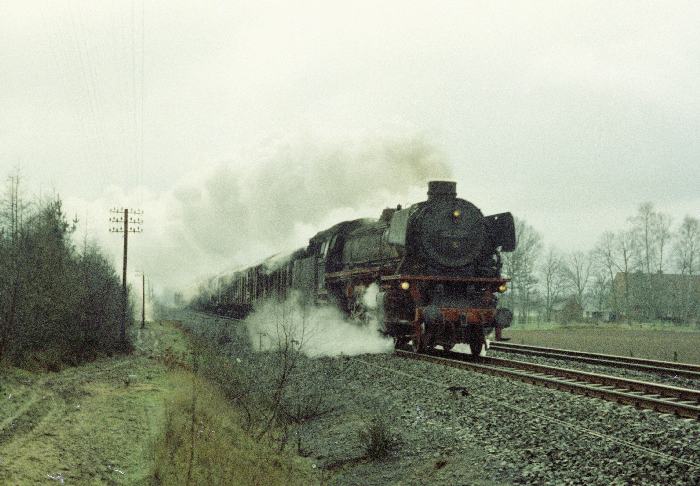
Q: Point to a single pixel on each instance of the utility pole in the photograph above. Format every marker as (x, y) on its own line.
(131, 225)
(143, 300)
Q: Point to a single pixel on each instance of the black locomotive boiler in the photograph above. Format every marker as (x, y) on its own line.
(436, 265)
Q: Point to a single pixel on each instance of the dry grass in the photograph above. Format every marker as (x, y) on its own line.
(666, 344)
(88, 424)
(128, 420)
(204, 443)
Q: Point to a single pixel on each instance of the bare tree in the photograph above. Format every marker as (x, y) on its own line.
(288, 338)
(687, 246)
(13, 207)
(643, 224)
(687, 258)
(11, 218)
(552, 278)
(605, 257)
(599, 293)
(661, 231)
(520, 265)
(652, 231)
(627, 251)
(577, 270)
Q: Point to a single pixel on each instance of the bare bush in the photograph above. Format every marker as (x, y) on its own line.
(376, 438)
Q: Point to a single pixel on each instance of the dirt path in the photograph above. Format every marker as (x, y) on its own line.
(92, 424)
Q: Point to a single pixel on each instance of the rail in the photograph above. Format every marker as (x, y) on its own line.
(687, 370)
(683, 402)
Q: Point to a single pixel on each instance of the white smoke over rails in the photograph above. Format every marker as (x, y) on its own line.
(313, 330)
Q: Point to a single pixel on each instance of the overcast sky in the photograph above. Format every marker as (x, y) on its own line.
(569, 114)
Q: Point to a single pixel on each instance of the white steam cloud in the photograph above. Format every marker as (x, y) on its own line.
(313, 330)
(369, 297)
(465, 349)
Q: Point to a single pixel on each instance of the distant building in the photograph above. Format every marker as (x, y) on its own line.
(595, 314)
(662, 296)
(567, 310)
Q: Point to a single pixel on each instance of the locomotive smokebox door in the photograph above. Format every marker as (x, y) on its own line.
(446, 232)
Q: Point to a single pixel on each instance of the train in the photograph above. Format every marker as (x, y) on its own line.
(435, 267)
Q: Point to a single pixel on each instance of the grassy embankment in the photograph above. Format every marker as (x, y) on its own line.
(129, 420)
(654, 341)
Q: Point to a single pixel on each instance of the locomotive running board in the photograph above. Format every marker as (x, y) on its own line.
(438, 278)
(372, 272)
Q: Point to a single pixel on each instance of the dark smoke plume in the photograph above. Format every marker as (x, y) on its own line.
(243, 210)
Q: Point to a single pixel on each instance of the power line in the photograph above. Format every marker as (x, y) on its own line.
(142, 98)
(134, 99)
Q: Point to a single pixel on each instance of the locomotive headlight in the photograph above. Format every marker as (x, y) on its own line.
(502, 288)
(456, 213)
(405, 285)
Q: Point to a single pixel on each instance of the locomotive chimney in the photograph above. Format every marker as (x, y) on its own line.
(442, 189)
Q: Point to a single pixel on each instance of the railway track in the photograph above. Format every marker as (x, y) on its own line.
(687, 370)
(683, 402)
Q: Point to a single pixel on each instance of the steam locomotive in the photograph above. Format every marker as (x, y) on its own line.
(436, 266)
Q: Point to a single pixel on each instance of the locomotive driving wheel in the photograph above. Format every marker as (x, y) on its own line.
(418, 339)
(476, 342)
(400, 342)
(475, 346)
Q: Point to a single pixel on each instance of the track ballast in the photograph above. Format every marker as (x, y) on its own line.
(683, 402)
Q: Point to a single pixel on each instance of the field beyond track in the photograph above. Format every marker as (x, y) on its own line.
(670, 343)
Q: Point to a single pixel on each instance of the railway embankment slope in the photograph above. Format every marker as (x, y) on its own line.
(90, 423)
(128, 420)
